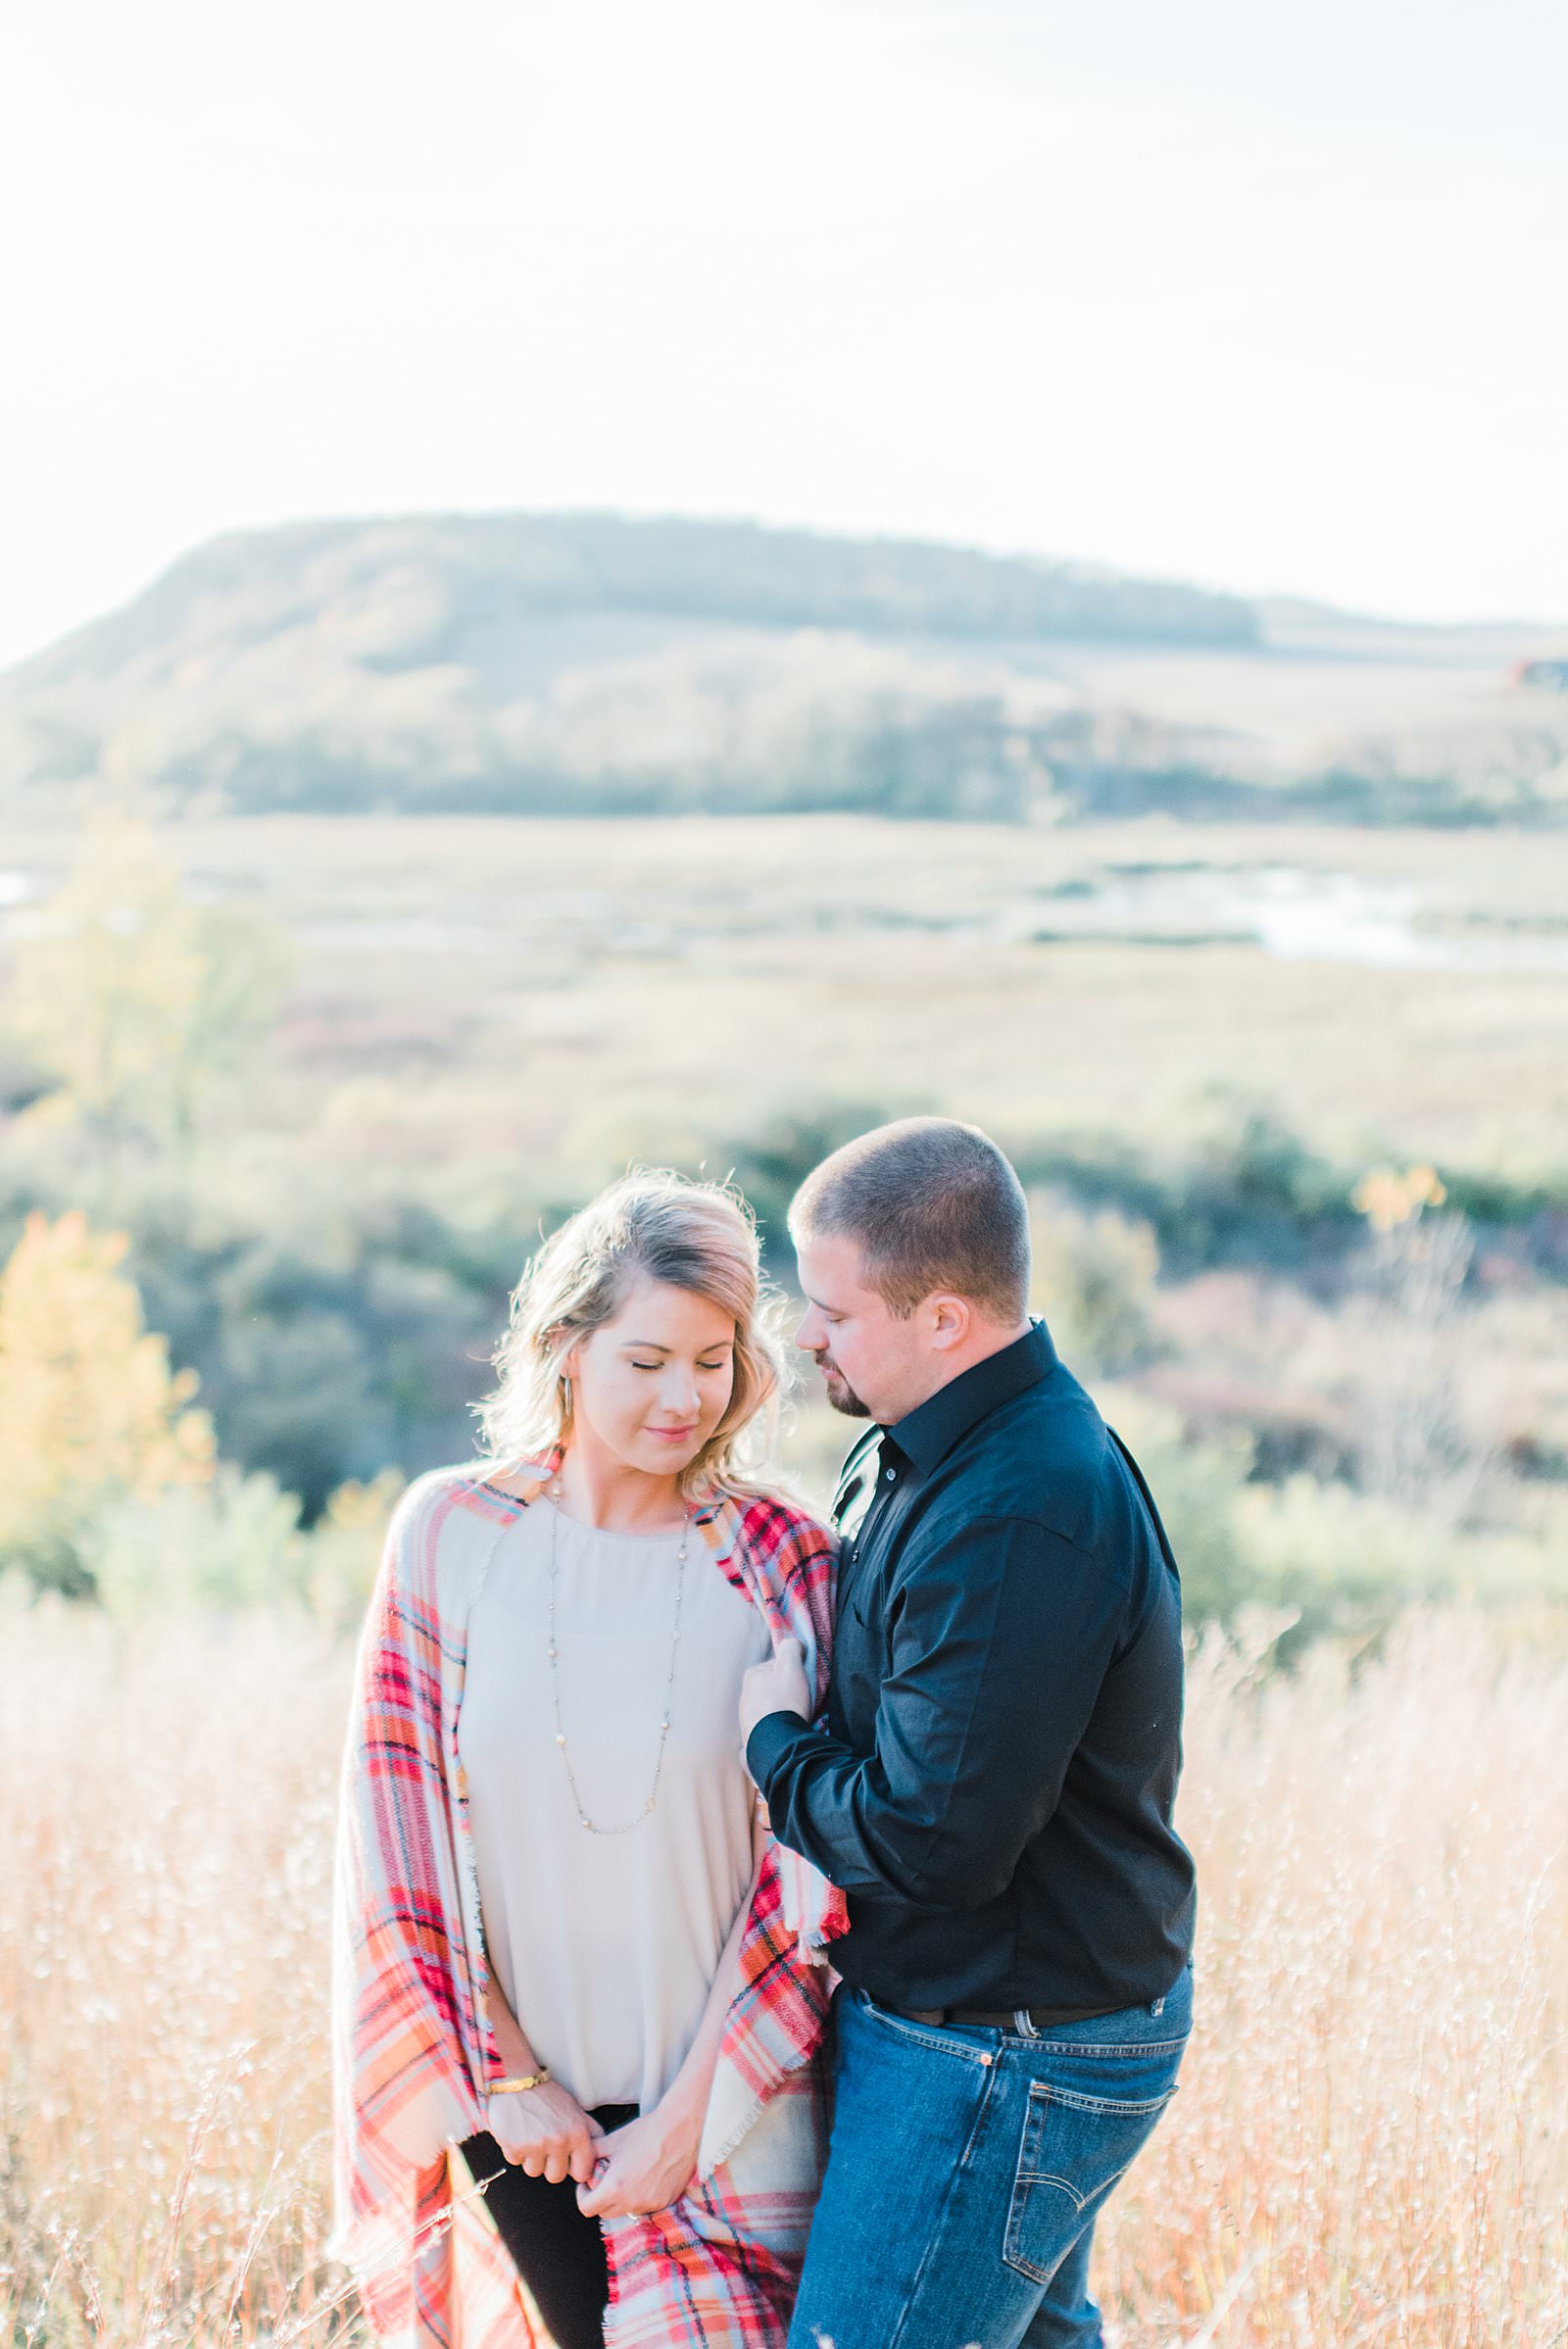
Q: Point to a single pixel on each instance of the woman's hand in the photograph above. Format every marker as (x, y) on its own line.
(546, 2130)
(646, 2164)
(776, 1687)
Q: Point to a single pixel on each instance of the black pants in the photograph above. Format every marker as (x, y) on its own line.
(560, 2253)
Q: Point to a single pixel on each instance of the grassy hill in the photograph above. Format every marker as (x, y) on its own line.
(593, 664)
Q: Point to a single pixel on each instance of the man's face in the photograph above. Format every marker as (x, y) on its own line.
(872, 1362)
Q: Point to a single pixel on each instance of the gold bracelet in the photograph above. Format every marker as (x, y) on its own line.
(519, 2083)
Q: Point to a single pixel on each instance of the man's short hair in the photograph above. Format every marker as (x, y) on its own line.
(932, 1204)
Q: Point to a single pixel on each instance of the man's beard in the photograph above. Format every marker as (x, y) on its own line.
(839, 1394)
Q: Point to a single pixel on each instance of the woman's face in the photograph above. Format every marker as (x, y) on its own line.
(652, 1383)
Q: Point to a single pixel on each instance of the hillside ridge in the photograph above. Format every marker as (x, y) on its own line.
(599, 664)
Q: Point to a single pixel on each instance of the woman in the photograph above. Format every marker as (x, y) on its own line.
(565, 1943)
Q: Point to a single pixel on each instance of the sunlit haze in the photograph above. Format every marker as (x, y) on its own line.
(1269, 299)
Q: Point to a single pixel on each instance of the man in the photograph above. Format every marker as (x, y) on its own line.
(993, 1781)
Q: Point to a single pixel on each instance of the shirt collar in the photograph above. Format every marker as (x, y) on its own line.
(926, 1434)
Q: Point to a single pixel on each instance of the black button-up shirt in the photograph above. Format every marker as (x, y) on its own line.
(994, 1783)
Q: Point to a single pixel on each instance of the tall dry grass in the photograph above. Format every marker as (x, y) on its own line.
(164, 1867)
(1370, 2147)
(1370, 2143)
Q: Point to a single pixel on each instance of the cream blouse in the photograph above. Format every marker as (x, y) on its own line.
(606, 1945)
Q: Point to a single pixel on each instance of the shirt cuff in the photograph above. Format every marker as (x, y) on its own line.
(768, 1743)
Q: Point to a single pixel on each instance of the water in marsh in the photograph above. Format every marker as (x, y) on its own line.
(1295, 914)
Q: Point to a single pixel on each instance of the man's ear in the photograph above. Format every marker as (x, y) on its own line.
(950, 1320)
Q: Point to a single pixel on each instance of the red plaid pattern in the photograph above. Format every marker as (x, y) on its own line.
(411, 2045)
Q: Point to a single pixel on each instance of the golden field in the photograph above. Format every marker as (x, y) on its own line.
(1370, 2145)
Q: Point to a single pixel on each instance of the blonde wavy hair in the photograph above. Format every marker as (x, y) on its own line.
(653, 1225)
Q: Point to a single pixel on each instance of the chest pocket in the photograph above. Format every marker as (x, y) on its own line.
(859, 1651)
(858, 1603)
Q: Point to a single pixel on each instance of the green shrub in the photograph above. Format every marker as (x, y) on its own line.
(1093, 1277)
(1345, 1562)
(235, 1544)
(1196, 1488)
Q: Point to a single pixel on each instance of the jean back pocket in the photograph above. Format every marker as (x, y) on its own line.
(1074, 2149)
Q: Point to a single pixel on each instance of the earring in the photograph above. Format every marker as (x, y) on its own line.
(560, 1439)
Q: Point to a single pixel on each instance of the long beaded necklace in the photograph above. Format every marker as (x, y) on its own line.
(583, 1819)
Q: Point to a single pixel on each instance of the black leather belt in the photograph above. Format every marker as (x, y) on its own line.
(998, 2017)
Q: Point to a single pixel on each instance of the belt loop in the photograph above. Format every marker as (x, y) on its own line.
(1024, 2023)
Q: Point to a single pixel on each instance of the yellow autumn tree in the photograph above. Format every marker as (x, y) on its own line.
(89, 1408)
(1389, 1199)
(131, 998)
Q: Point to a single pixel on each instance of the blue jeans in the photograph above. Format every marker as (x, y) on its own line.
(965, 2171)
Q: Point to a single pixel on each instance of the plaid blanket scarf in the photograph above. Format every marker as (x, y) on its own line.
(413, 2048)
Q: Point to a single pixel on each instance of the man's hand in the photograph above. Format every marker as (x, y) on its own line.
(644, 2166)
(776, 1687)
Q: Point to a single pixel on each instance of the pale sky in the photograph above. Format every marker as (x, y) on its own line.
(1264, 296)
